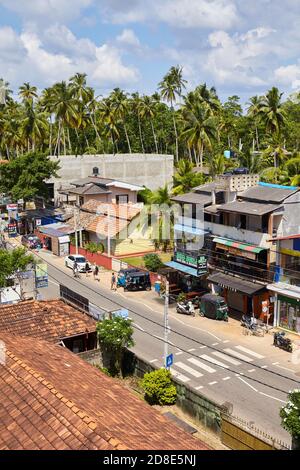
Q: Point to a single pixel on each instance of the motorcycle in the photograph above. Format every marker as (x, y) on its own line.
(187, 308)
(251, 326)
(282, 342)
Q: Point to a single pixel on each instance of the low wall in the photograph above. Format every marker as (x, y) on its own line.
(99, 259)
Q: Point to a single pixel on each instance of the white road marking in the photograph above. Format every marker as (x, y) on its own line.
(199, 388)
(264, 367)
(212, 383)
(251, 370)
(202, 347)
(153, 360)
(240, 378)
(226, 358)
(178, 353)
(237, 354)
(53, 282)
(196, 328)
(138, 327)
(248, 351)
(179, 376)
(226, 378)
(275, 363)
(215, 344)
(200, 364)
(286, 368)
(188, 369)
(159, 337)
(190, 350)
(226, 341)
(270, 396)
(214, 361)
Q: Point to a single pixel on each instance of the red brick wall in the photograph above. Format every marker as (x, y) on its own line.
(101, 260)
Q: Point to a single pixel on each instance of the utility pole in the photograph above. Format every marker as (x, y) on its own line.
(75, 229)
(108, 230)
(166, 323)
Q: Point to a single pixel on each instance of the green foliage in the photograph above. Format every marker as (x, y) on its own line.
(181, 297)
(24, 177)
(290, 414)
(185, 179)
(93, 247)
(115, 334)
(13, 261)
(158, 388)
(153, 262)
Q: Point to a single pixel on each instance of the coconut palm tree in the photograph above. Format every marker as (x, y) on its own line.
(185, 179)
(121, 105)
(107, 112)
(209, 97)
(254, 111)
(28, 93)
(271, 111)
(5, 93)
(148, 106)
(136, 104)
(200, 129)
(171, 87)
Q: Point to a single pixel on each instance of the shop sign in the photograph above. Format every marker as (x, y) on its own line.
(12, 230)
(202, 265)
(185, 258)
(41, 275)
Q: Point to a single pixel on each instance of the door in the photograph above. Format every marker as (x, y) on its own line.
(235, 300)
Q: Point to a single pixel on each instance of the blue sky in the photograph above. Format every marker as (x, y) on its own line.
(240, 47)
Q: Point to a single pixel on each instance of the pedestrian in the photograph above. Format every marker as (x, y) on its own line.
(96, 273)
(113, 282)
(75, 270)
(87, 268)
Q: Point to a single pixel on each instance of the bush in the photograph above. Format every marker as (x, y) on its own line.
(290, 414)
(158, 388)
(153, 262)
(93, 247)
(181, 297)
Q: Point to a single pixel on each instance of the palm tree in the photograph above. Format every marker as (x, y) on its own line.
(200, 129)
(185, 179)
(162, 216)
(108, 115)
(271, 111)
(121, 105)
(27, 92)
(171, 87)
(136, 104)
(5, 93)
(209, 97)
(147, 111)
(254, 110)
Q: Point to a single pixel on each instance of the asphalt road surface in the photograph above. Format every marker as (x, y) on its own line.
(220, 369)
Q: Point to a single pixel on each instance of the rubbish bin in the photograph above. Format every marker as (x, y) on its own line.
(157, 286)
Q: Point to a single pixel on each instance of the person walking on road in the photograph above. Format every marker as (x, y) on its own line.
(87, 268)
(75, 270)
(96, 273)
(113, 285)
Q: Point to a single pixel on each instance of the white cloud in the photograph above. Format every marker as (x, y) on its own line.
(128, 38)
(289, 75)
(32, 58)
(176, 13)
(47, 10)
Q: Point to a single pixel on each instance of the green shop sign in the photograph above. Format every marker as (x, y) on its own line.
(198, 262)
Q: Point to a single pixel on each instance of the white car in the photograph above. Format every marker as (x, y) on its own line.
(80, 260)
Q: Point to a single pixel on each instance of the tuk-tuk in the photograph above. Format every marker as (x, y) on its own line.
(122, 275)
(138, 280)
(214, 306)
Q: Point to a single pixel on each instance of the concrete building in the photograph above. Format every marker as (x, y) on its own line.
(148, 170)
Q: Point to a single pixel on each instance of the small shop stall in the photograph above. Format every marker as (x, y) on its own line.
(56, 238)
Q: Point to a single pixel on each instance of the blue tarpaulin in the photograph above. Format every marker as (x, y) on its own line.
(182, 268)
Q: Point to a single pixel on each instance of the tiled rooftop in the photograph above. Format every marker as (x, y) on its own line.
(121, 211)
(105, 226)
(50, 320)
(51, 399)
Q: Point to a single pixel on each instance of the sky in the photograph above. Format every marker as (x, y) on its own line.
(240, 47)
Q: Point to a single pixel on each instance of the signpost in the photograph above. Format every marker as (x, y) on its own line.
(169, 361)
(41, 276)
(122, 313)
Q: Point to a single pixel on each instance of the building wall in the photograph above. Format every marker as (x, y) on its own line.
(247, 236)
(291, 221)
(149, 170)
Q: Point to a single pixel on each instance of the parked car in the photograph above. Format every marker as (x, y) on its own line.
(241, 171)
(80, 260)
(31, 241)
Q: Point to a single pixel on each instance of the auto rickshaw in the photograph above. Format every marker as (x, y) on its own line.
(122, 275)
(213, 306)
(138, 280)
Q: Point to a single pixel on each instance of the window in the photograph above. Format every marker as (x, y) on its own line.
(289, 316)
(122, 199)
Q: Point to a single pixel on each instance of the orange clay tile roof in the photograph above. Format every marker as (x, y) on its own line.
(51, 399)
(105, 226)
(51, 320)
(120, 211)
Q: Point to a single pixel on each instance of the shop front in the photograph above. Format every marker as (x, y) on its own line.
(287, 306)
(242, 296)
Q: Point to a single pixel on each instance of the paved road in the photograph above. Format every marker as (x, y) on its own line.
(221, 369)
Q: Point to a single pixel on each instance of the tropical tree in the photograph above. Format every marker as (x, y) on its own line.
(254, 110)
(185, 178)
(121, 105)
(171, 87)
(27, 92)
(271, 111)
(11, 262)
(148, 106)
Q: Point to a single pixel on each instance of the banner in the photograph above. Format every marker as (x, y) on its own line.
(41, 275)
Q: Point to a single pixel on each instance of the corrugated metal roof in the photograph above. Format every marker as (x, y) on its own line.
(248, 207)
(236, 283)
(193, 198)
(238, 245)
(267, 194)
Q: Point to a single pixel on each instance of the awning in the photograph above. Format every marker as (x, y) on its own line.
(285, 289)
(187, 229)
(236, 284)
(238, 245)
(182, 268)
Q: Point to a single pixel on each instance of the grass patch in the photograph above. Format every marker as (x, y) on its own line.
(138, 261)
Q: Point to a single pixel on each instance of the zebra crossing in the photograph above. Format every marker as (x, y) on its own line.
(206, 364)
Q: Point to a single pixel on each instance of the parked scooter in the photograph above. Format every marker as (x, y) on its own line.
(282, 342)
(187, 308)
(250, 323)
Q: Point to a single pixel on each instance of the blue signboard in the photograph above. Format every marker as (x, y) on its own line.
(169, 360)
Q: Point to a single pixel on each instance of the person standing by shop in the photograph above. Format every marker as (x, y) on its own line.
(96, 273)
(113, 285)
